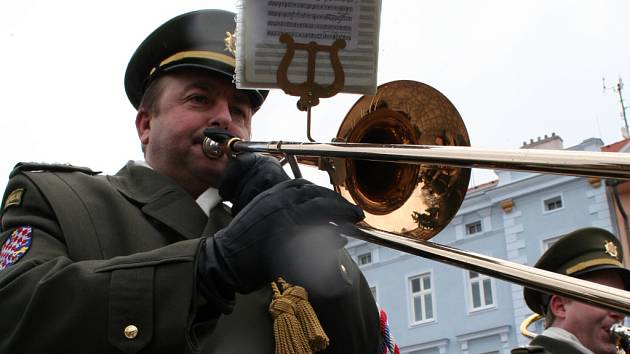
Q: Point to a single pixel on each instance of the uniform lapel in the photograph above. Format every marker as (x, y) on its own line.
(161, 199)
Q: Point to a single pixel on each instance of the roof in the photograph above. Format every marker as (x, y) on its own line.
(616, 147)
(483, 185)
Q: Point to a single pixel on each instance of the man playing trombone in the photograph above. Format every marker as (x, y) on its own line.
(571, 326)
(150, 260)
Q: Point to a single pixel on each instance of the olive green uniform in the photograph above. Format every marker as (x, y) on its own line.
(547, 345)
(110, 252)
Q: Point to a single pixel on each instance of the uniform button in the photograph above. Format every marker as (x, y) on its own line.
(131, 332)
(343, 268)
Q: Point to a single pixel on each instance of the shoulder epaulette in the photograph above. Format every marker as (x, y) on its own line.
(528, 349)
(38, 166)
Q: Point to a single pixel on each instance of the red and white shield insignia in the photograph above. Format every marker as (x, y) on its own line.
(15, 246)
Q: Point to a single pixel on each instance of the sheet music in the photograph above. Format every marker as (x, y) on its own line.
(259, 51)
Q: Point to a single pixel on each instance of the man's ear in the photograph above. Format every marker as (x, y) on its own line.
(558, 306)
(143, 125)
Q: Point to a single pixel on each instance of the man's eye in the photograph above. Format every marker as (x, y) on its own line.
(199, 99)
(239, 112)
(235, 111)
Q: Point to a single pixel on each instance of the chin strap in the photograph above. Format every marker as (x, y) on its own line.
(295, 325)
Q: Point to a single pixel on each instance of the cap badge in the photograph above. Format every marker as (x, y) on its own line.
(230, 43)
(611, 249)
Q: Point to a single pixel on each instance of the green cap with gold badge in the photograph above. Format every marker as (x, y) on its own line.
(199, 39)
(576, 254)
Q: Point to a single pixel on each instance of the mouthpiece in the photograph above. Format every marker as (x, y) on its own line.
(619, 331)
(211, 148)
(622, 335)
(216, 141)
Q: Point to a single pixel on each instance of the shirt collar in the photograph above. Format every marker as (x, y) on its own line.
(208, 200)
(565, 336)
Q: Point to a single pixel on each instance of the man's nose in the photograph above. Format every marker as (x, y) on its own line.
(219, 114)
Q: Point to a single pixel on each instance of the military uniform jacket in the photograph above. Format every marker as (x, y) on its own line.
(126, 257)
(546, 345)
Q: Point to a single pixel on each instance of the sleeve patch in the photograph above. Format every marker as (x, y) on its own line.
(15, 246)
(14, 198)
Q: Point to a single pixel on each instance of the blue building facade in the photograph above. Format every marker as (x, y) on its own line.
(435, 308)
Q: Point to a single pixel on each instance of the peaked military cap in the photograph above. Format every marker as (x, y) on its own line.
(199, 39)
(576, 254)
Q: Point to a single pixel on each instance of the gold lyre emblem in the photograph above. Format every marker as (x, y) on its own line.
(230, 42)
(611, 249)
(309, 91)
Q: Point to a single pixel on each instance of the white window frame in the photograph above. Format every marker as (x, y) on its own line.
(439, 345)
(423, 293)
(369, 254)
(474, 223)
(503, 332)
(481, 280)
(547, 199)
(374, 292)
(546, 243)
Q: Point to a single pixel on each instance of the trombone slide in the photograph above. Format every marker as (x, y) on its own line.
(575, 163)
(538, 279)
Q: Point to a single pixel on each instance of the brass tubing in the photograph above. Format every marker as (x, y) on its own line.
(434, 135)
(620, 331)
(534, 278)
(524, 327)
(576, 163)
(622, 334)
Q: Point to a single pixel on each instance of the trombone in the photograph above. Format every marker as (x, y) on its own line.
(403, 155)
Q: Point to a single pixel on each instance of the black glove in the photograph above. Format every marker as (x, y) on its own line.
(250, 252)
(246, 176)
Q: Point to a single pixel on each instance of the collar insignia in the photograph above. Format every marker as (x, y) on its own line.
(611, 249)
(14, 198)
(230, 43)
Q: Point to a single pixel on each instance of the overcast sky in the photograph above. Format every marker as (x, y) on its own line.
(515, 70)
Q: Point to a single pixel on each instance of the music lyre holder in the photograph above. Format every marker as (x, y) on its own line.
(310, 91)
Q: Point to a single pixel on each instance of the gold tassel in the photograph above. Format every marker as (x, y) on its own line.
(317, 338)
(286, 328)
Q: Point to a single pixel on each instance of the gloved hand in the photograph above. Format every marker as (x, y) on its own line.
(250, 252)
(246, 176)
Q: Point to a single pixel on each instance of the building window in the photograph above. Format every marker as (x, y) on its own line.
(373, 291)
(552, 204)
(421, 298)
(481, 295)
(364, 258)
(550, 241)
(473, 228)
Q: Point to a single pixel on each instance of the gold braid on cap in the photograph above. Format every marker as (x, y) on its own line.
(200, 54)
(591, 263)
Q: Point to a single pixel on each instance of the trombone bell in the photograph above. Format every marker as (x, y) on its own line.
(414, 200)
